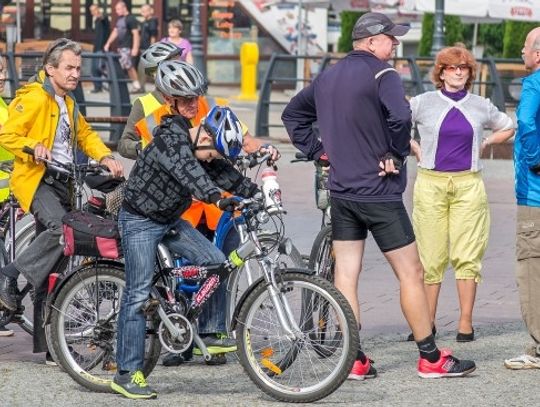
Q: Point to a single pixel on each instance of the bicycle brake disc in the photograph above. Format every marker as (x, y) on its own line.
(183, 341)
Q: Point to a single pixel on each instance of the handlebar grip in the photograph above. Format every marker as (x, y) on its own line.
(28, 150)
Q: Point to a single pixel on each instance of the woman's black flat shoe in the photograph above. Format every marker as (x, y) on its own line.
(410, 338)
(461, 337)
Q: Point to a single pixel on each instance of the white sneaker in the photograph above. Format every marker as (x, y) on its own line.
(522, 362)
(5, 332)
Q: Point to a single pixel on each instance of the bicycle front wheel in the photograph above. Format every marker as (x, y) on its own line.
(289, 367)
(84, 324)
(241, 279)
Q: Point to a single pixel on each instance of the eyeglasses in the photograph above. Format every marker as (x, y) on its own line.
(454, 68)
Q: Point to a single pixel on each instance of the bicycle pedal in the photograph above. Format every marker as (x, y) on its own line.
(150, 306)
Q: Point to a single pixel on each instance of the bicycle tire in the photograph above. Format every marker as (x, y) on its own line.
(244, 276)
(24, 235)
(277, 366)
(110, 277)
(321, 257)
(5, 315)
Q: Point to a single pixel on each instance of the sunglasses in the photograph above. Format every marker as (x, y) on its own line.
(454, 68)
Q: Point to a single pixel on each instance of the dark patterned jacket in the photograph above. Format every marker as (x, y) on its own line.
(167, 173)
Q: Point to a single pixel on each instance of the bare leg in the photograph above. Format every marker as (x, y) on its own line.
(132, 73)
(408, 269)
(467, 294)
(349, 254)
(432, 292)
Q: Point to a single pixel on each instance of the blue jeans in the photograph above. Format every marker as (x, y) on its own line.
(140, 237)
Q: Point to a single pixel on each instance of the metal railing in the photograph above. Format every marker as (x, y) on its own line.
(496, 79)
(117, 105)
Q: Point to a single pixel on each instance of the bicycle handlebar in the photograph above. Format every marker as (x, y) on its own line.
(92, 167)
(300, 157)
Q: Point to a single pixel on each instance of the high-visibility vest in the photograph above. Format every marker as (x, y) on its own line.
(149, 103)
(145, 128)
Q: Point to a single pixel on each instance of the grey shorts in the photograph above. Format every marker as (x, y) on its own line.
(126, 60)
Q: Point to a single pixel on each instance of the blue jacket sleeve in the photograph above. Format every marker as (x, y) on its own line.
(392, 97)
(298, 117)
(527, 113)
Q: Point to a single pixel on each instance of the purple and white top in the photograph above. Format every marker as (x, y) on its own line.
(451, 128)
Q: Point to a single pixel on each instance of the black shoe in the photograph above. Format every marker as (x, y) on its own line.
(410, 338)
(8, 287)
(175, 359)
(133, 386)
(461, 337)
(219, 359)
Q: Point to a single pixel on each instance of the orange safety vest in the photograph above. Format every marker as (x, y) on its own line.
(145, 127)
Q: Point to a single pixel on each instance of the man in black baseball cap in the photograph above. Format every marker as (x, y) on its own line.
(371, 24)
(364, 123)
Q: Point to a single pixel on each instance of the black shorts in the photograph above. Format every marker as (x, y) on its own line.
(388, 222)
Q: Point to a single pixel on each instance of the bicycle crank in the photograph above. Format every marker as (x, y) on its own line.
(180, 340)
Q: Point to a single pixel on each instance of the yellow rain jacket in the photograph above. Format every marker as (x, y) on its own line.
(32, 118)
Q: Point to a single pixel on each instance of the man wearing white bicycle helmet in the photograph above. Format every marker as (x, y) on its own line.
(178, 164)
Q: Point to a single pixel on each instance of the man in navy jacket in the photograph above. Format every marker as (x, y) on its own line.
(364, 121)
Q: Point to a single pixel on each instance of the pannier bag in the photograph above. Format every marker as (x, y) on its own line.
(87, 234)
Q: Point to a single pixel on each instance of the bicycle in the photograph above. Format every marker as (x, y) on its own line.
(321, 256)
(276, 348)
(9, 216)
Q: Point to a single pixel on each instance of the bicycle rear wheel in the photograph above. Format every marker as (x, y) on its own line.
(321, 258)
(84, 323)
(293, 369)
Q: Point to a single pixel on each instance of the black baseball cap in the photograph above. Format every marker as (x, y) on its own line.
(371, 24)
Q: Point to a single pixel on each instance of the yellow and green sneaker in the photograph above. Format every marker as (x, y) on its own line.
(217, 344)
(132, 385)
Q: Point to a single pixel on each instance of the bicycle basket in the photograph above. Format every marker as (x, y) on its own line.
(113, 200)
(87, 234)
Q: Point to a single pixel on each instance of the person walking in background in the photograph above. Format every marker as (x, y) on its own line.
(527, 173)
(149, 35)
(174, 30)
(450, 212)
(364, 122)
(4, 155)
(127, 34)
(102, 30)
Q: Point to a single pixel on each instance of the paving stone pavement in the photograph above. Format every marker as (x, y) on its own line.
(26, 381)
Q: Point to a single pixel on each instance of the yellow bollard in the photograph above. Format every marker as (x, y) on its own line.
(249, 58)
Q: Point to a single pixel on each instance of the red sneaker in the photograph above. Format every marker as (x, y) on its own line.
(446, 366)
(361, 371)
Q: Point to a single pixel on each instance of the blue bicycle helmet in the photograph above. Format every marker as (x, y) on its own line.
(226, 130)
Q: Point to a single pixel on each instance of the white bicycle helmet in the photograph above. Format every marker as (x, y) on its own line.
(177, 78)
(156, 53)
(226, 130)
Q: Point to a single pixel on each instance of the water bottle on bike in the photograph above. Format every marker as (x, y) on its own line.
(271, 190)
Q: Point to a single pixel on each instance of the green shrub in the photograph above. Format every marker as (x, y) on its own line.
(348, 19)
(454, 31)
(515, 33)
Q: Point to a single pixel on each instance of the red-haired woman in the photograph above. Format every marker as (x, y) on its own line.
(451, 214)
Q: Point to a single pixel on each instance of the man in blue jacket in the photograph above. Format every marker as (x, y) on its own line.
(527, 170)
(365, 129)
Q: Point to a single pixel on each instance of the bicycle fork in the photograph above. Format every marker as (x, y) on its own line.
(281, 305)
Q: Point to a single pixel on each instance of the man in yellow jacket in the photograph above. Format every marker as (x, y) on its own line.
(44, 117)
